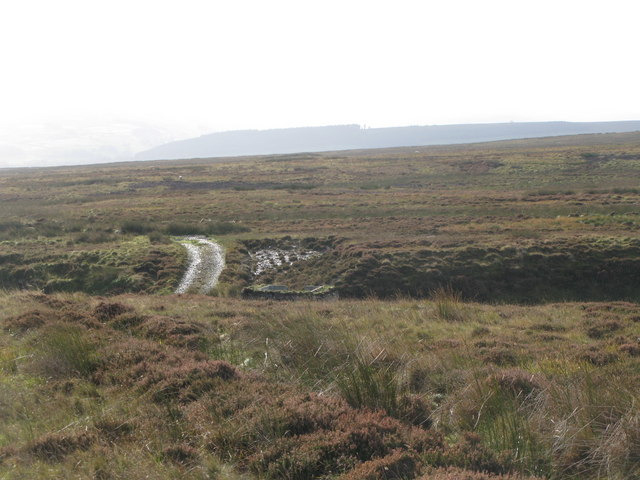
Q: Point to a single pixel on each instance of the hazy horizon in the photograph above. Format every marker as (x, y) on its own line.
(136, 141)
(85, 82)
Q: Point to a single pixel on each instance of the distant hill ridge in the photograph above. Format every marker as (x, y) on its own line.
(351, 137)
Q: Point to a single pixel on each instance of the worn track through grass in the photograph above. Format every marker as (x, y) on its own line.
(206, 262)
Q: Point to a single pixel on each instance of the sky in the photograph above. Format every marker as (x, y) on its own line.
(87, 81)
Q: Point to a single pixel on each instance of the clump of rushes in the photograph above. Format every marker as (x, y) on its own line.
(66, 350)
(367, 383)
(448, 304)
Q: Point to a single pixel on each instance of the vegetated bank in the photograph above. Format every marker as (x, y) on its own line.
(588, 269)
(282, 292)
(572, 270)
(112, 266)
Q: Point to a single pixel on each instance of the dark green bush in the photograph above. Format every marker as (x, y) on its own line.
(210, 228)
(136, 227)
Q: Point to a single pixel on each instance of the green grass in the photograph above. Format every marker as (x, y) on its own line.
(65, 350)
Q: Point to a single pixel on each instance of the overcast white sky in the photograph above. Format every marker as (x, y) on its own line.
(96, 80)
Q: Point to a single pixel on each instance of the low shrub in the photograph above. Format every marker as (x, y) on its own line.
(113, 429)
(597, 355)
(158, 237)
(632, 349)
(172, 331)
(398, 465)
(454, 473)
(603, 329)
(127, 321)
(280, 433)
(53, 447)
(207, 228)
(501, 356)
(131, 360)
(356, 436)
(180, 454)
(471, 453)
(106, 311)
(136, 227)
(27, 321)
(188, 382)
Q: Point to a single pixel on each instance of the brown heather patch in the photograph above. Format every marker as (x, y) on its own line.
(518, 382)
(114, 429)
(454, 473)
(469, 453)
(71, 314)
(548, 327)
(278, 432)
(190, 409)
(188, 381)
(397, 465)
(53, 447)
(415, 410)
(597, 355)
(359, 437)
(501, 356)
(127, 321)
(27, 321)
(603, 328)
(619, 308)
(547, 337)
(48, 300)
(178, 333)
(493, 343)
(632, 349)
(106, 311)
(129, 361)
(7, 452)
(180, 454)
(67, 312)
(301, 414)
(480, 331)
(450, 343)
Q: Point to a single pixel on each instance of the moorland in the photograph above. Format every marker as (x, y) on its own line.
(487, 325)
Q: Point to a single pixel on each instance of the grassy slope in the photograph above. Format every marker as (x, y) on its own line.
(157, 386)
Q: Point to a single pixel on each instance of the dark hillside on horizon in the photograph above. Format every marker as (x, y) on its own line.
(348, 137)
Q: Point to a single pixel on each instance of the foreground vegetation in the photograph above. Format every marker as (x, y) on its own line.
(106, 374)
(198, 387)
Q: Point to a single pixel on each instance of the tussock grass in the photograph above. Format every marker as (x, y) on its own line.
(65, 350)
(368, 382)
(348, 387)
(448, 304)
